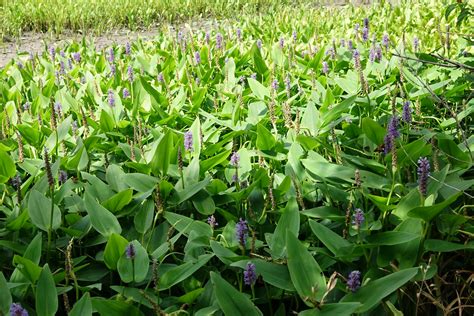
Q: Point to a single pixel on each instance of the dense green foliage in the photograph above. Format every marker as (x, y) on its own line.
(202, 174)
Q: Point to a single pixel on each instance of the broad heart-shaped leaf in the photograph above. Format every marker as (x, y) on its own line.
(113, 250)
(136, 269)
(231, 301)
(140, 182)
(305, 272)
(102, 220)
(373, 130)
(185, 224)
(118, 201)
(46, 294)
(39, 209)
(330, 239)
(83, 307)
(161, 159)
(427, 213)
(144, 216)
(30, 270)
(5, 296)
(289, 221)
(258, 89)
(181, 272)
(7, 167)
(374, 292)
(265, 139)
(339, 309)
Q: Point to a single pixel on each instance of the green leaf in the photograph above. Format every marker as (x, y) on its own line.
(161, 159)
(272, 273)
(46, 294)
(373, 130)
(118, 201)
(83, 307)
(113, 250)
(427, 213)
(339, 309)
(437, 245)
(114, 307)
(30, 270)
(258, 89)
(289, 221)
(7, 167)
(144, 217)
(305, 272)
(330, 239)
(136, 269)
(204, 203)
(102, 220)
(180, 273)
(265, 139)
(231, 301)
(39, 209)
(5, 296)
(374, 292)
(390, 238)
(140, 182)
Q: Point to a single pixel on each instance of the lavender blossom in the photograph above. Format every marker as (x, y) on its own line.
(58, 108)
(207, 37)
(239, 34)
(366, 23)
(406, 114)
(275, 84)
(111, 98)
(130, 73)
(235, 159)
(288, 84)
(385, 41)
(235, 178)
(253, 76)
(180, 37)
(350, 45)
(356, 27)
(325, 68)
(128, 48)
(219, 41)
(61, 53)
(130, 251)
(188, 141)
(241, 231)
(365, 34)
(197, 57)
(342, 43)
(74, 126)
(62, 177)
(17, 310)
(211, 220)
(16, 182)
(161, 78)
(416, 43)
(392, 134)
(423, 175)
(77, 57)
(372, 54)
(378, 53)
(353, 281)
(113, 70)
(281, 42)
(295, 35)
(26, 106)
(111, 56)
(69, 63)
(62, 70)
(52, 53)
(20, 65)
(358, 218)
(250, 275)
(331, 53)
(125, 93)
(259, 44)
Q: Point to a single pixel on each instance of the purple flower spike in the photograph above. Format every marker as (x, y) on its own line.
(392, 133)
(62, 177)
(353, 281)
(259, 44)
(416, 43)
(130, 73)
(378, 53)
(350, 45)
(241, 231)
(365, 34)
(358, 218)
(211, 220)
(17, 310)
(235, 159)
(342, 42)
(125, 93)
(219, 40)
(111, 56)
(356, 27)
(188, 141)
(325, 68)
(281, 42)
(366, 23)
(250, 275)
(52, 52)
(239, 34)
(275, 84)
(385, 41)
(128, 48)
(130, 251)
(207, 37)
(406, 114)
(161, 78)
(111, 98)
(372, 54)
(423, 175)
(77, 57)
(197, 57)
(295, 36)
